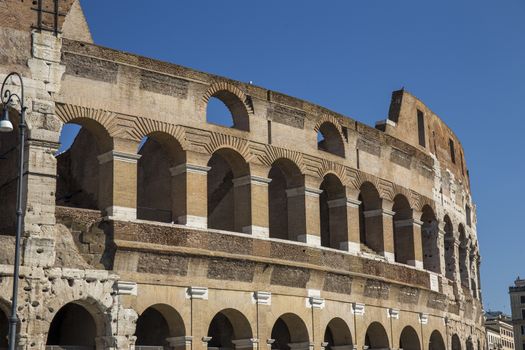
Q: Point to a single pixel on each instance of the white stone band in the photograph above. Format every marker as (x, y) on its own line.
(189, 168)
(120, 156)
(193, 221)
(257, 231)
(312, 240)
(122, 212)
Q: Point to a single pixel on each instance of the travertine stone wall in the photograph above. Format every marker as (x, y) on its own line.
(253, 237)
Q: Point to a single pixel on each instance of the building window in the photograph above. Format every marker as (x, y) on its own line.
(421, 128)
(522, 330)
(523, 314)
(522, 298)
(452, 151)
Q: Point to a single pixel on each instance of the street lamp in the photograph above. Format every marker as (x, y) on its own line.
(9, 98)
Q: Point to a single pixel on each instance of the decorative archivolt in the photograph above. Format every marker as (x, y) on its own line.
(321, 167)
(208, 142)
(71, 113)
(144, 127)
(268, 154)
(330, 119)
(225, 86)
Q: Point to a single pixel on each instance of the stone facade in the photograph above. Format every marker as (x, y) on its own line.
(256, 236)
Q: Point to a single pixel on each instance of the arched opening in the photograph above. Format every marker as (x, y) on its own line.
(226, 109)
(4, 329)
(404, 248)
(464, 259)
(337, 334)
(229, 201)
(430, 235)
(286, 207)
(329, 139)
(469, 345)
(332, 209)
(450, 258)
(370, 219)
(456, 343)
(72, 326)
(376, 337)
(436, 341)
(9, 151)
(229, 329)
(157, 324)
(79, 183)
(289, 329)
(409, 339)
(157, 190)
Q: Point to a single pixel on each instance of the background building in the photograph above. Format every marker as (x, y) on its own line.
(295, 229)
(500, 332)
(517, 305)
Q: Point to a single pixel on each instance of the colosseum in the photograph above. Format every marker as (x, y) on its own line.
(296, 228)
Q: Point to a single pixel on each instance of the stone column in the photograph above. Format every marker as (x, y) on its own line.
(118, 184)
(303, 215)
(474, 274)
(199, 299)
(457, 275)
(409, 242)
(189, 194)
(380, 230)
(251, 205)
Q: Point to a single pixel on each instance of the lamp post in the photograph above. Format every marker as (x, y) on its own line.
(9, 97)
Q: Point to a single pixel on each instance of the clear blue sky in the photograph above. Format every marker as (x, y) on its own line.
(465, 59)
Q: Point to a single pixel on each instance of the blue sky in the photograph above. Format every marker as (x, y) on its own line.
(464, 59)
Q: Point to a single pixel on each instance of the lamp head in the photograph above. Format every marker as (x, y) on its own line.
(5, 123)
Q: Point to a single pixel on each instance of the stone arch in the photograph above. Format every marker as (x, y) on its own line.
(143, 127)
(329, 139)
(404, 243)
(436, 341)
(158, 192)
(337, 334)
(287, 218)
(450, 255)
(376, 336)
(289, 330)
(333, 213)
(370, 218)
(235, 100)
(464, 258)
(430, 240)
(79, 172)
(456, 342)
(158, 324)
(409, 340)
(229, 328)
(229, 192)
(469, 344)
(77, 323)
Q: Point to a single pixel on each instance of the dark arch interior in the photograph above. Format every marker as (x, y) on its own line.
(73, 325)
(430, 234)
(221, 332)
(152, 328)
(284, 175)
(456, 343)
(337, 333)
(370, 227)
(281, 335)
(436, 341)
(78, 166)
(409, 339)
(329, 139)
(4, 329)
(449, 249)
(403, 237)
(333, 217)
(224, 200)
(376, 337)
